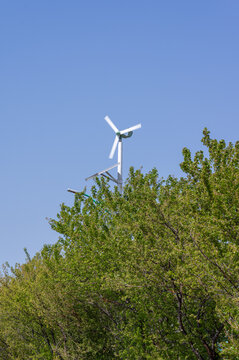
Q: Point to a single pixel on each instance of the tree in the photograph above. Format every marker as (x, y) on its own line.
(149, 274)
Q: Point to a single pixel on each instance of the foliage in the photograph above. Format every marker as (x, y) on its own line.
(149, 274)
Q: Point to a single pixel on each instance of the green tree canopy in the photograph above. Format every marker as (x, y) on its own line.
(149, 274)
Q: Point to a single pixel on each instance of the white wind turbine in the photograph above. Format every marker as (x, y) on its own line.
(119, 136)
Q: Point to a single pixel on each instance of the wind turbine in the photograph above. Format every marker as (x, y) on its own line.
(120, 134)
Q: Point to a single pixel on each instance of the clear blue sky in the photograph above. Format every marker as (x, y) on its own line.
(64, 65)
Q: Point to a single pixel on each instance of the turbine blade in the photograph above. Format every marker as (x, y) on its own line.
(131, 129)
(111, 124)
(114, 147)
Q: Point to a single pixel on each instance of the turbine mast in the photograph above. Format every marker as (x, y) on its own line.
(120, 165)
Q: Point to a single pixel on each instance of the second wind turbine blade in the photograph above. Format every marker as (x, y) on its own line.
(114, 147)
(131, 129)
(111, 124)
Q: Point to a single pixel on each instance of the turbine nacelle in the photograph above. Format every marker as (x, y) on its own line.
(120, 134)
